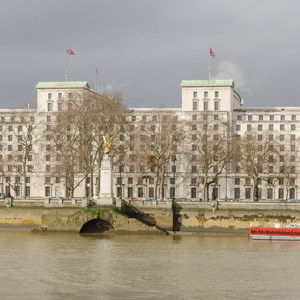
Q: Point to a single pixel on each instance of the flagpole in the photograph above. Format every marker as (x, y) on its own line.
(95, 80)
(66, 72)
(209, 67)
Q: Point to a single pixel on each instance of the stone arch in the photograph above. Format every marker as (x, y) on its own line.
(96, 226)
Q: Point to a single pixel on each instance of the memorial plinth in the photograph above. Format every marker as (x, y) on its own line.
(106, 195)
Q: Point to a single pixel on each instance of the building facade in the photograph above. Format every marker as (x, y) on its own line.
(23, 134)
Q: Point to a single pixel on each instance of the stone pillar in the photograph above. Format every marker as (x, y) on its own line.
(106, 195)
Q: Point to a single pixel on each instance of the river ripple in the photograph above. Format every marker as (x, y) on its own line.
(66, 266)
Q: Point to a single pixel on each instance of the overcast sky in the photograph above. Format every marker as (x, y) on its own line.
(145, 48)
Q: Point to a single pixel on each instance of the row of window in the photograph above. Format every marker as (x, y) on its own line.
(140, 192)
(281, 181)
(262, 117)
(270, 193)
(260, 127)
(13, 119)
(59, 96)
(20, 128)
(205, 94)
(206, 105)
(59, 107)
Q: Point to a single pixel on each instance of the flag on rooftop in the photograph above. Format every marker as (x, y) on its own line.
(211, 53)
(97, 73)
(70, 52)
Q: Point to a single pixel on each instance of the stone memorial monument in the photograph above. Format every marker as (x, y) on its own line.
(106, 195)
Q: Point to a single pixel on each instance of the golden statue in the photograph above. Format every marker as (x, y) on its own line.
(107, 144)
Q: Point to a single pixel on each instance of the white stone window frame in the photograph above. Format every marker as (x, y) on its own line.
(219, 104)
(206, 100)
(197, 104)
(50, 102)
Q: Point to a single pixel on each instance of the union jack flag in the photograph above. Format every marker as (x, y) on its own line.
(211, 53)
(70, 52)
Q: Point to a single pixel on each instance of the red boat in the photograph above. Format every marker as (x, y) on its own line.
(274, 231)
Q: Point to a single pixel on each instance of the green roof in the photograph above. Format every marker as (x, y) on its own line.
(63, 84)
(225, 82)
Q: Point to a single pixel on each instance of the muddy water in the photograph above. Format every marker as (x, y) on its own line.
(65, 266)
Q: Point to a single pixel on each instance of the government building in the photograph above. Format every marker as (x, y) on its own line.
(28, 157)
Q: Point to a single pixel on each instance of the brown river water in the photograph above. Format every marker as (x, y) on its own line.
(71, 266)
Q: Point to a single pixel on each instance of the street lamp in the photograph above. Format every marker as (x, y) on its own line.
(174, 171)
(120, 180)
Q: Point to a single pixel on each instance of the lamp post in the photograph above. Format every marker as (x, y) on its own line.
(120, 180)
(174, 171)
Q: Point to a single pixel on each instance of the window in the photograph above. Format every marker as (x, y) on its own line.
(2, 119)
(195, 106)
(10, 138)
(193, 193)
(272, 118)
(205, 105)
(49, 96)
(292, 193)
(59, 106)
(193, 181)
(293, 158)
(1, 138)
(281, 137)
(216, 105)
(271, 137)
(293, 127)
(48, 168)
(140, 192)
(237, 181)
(248, 193)
(144, 118)
(154, 118)
(205, 94)
(10, 128)
(281, 158)
(248, 181)
(29, 157)
(270, 169)
(261, 117)
(57, 179)
(216, 127)
(270, 194)
(281, 148)
(270, 181)
(194, 169)
(151, 180)
(129, 192)
(293, 147)
(151, 192)
(281, 181)
(49, 106)
(293, 117)
(271, 159)
(47, 157)
(47, 191)
(238, 127)
(27, 179)
(292, 181)
(27, 192)
(237, 193)
(259, 138)
(133, 118)
(249, 118)
(194, 127)
(260, 127)
(282, 117)
(216, 117)
(249, 127)
(259, 181)
(216, 94)
(215, 169)
(9, 147)
(47, 180)
(59, 95)
(293, 137)
(281, 127)
(271, 127)
(195, 94)
(239, 118)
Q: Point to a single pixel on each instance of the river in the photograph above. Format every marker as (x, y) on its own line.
(71, 266)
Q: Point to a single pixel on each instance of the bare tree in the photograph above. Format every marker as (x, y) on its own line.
(257, 156)
(210, 137)
(154, 140)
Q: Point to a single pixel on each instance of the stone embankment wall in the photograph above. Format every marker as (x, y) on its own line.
(230, 216)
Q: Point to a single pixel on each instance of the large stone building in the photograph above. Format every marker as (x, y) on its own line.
(218, 97)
